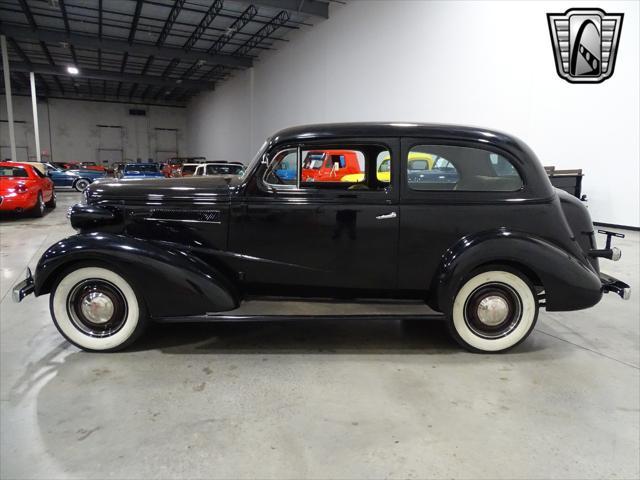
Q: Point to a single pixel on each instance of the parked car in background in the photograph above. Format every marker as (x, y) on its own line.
(416, 161)
(188, 169)
(173, 168)
(473, 252)
(66, 165)
(25, 188)
(78, 179)
(224, 169)
(92, 166)
(329, 165)
(117, 168)
(141, 170)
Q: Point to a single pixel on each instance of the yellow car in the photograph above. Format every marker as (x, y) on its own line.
(384, 170)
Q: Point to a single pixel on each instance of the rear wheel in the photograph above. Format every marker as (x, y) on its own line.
(96, 309)
(81, 184)
(38, 209)
(494, 311)
(52, 202)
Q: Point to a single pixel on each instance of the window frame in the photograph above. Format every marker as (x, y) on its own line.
(409, 195)
(389, 194)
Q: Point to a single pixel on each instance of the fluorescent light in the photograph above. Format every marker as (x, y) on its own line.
(73, 70)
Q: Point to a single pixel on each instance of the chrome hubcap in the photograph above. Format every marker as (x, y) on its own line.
(493, 310)
(97, 307)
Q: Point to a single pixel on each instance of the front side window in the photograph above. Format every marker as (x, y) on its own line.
(283, 168)
(444, 167)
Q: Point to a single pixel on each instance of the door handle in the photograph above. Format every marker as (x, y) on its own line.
(386, 216)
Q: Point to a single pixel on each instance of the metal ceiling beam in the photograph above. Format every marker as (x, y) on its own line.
(315, 8)
(235, 27)
(208, 17)
(134, 22)
(168, 24)
(27, 13)
(105, 75)
(88, 41)
(275, 23)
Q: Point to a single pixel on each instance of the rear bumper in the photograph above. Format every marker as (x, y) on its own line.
(24, 288)
(18, 201)
(611, 284)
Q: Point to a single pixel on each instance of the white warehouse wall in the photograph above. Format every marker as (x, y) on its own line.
(479, 63)
(69, 128)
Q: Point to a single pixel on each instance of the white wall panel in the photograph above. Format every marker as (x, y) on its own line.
(479, 63)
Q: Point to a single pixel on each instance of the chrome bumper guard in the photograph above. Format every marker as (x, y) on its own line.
(24, 288)
(610, 284)
(612, 253)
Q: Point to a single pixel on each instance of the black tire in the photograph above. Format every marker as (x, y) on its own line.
(81, 184)
(52, 203)
(38, 210)
(495, 309)
(87, 329)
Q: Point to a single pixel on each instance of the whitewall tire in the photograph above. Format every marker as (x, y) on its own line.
(494, 311)
(96, 309)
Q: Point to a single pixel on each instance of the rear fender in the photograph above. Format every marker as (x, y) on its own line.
(172, 281)
(569, 283)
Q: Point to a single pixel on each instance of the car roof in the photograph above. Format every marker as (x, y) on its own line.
(39, 165)
(536, 177)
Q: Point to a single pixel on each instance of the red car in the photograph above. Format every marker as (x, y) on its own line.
(329, 165)
(24, 188)
(92, 166)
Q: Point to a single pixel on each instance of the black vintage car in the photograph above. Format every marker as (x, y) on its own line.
(484, 247)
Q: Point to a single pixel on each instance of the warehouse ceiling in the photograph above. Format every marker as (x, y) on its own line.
(160, 51)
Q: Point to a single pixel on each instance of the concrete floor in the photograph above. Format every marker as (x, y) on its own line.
(317, 399)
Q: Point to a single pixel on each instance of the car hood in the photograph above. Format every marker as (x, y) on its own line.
(162, 190)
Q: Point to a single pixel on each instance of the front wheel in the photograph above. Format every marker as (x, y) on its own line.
(96, 309)
(81, 184)
(494, 311)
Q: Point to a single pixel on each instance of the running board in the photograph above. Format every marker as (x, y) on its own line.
(278, 310)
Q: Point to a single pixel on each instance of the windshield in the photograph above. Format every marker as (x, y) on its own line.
(144, 168)
(224, 169)
(189, 169)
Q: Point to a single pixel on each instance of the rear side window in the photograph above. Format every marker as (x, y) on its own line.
(442, 167)
(15, 172)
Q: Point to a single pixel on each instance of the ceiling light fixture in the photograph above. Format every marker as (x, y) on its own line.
(73, 70)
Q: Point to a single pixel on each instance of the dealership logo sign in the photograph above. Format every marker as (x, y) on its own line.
(585, 43)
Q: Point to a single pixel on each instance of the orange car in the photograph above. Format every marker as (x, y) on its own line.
(24, 188)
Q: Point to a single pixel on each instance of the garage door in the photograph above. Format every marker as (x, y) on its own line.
(110, 149)
(20, 131)
(166, 143)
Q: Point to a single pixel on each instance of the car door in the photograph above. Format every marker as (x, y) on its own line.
(317, 238)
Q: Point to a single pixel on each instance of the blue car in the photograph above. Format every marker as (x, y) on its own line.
(78, 179)
(141, 170)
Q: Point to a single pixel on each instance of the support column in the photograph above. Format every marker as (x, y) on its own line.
(34, 103)
(7, 89)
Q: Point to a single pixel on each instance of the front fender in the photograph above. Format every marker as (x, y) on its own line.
(569, 283)
(172, 281)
